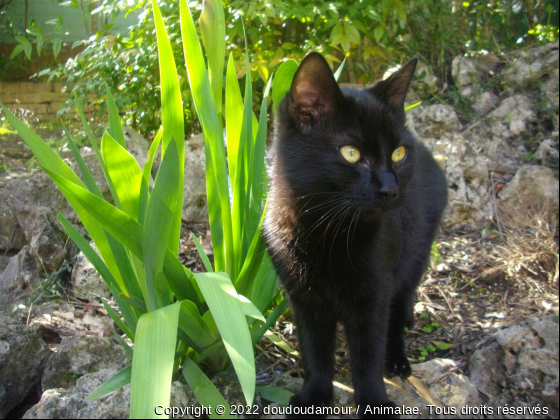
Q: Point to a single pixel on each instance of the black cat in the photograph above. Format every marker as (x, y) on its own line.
(354, 206)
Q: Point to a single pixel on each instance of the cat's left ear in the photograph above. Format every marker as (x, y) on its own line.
(394, 89)
(314, 95)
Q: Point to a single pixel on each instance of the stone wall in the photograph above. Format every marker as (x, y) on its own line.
(37, 99)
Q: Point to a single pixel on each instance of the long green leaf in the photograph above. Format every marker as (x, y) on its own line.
(50, 160)
(115, 126)
(125, 174)
(146, 176)
(128, 232)
(172, 117)
(213, 136)
(202, 253)
(204, 390)
(277, 395)
(116, 382)
(234, 116)
(213, 32)
(128, 312)
(159, 217)
(229, 316)
(117, 320)
(152, 365)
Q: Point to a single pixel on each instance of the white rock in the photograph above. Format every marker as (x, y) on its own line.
(484, 102)
(86, 282)
(532, 193)
(464, 73)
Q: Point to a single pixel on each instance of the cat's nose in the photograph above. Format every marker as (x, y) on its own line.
(389, 186)
(389, 193)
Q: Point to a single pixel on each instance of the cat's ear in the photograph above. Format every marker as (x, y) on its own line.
(394, 89)
(314, 95)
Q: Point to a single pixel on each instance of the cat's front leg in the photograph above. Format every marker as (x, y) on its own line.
(401, 316)
(366, 334)
(316, 335)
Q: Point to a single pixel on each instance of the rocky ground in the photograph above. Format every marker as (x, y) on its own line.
(486, 331)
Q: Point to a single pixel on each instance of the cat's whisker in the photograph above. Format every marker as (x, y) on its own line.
(328, 215)
(321, 205)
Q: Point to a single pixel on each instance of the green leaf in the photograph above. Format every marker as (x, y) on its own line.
(18, 49)
(229, 316)
(115, 126)
(283, 81)
(234, 116)
(339, 70)
(202, 253)
(117, 320)
(146, 176)
(280, 343)
(250, 310)
(125, 174)
(276, 395)
(57, 46)
(172, 116)
(152, 365)
(216, 166)
(159, 217)
(116, 382)
(213, 33)
(204, 390)
(129, 233)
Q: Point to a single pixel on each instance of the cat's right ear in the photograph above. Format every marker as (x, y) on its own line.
(314, 95)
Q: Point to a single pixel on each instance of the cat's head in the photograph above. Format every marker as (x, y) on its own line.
(345, 146)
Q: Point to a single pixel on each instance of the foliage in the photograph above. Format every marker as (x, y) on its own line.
(373, 35)
(178, 320)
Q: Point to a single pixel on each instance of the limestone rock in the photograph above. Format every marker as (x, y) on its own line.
(23, 355)
(87, 284)
(44, 255)
(501, 137)
(136, 145)
(195, 206)
(79, 355)
(450, 388)
(484, 102)
(425, 81)
(435, 120)
(547, 153)
(17, 280)
(532, 65)
(467, 178)
(465, 74)
(518, 366)
(71, 403)
(551, 89)
(532, 193)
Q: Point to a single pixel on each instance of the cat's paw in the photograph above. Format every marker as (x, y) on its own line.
(397, 365)
(378, 411)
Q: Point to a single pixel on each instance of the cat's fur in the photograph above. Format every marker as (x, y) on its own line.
(350, 242)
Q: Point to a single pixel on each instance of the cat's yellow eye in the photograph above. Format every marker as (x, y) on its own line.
(399, 154)
(350, 153)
